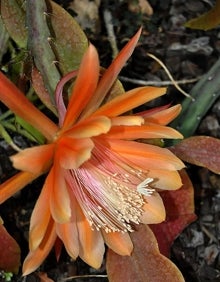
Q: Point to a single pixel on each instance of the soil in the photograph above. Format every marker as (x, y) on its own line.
(187, 54)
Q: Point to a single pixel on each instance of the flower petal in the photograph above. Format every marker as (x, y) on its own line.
(90, 127)
(14, 184)
(144, 131)
(110, 75)
(72, 153)
(91, 242)
(41, 215)
(127, 120)
(154, 210)
(145, 156)
(35, 160)
(16, 101)
(162, 117)
(68, 232)
(59, 198)
(84, 86)
(129, 100)
(35, 258)
(119, 242)
(165, 179)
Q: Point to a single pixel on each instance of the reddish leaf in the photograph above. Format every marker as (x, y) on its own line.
(209, 20)
(44, 278)
(9, 251)
(146, 264)
(200, 150)
(179, 206)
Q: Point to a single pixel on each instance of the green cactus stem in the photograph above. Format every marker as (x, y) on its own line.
(205, 92)
(39, 37)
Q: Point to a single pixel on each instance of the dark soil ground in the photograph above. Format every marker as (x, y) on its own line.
(188, 54)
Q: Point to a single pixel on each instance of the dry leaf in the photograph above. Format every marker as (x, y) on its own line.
(200, 150)
(142, 6)
(207, 21)
(146, 264)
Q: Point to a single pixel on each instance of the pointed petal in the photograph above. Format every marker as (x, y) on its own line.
(144, 131)
(154, 210)
(14, 184)
(119, 242)
(72, 153)
(84, 86)
(35, 160)
(91, 242)
(165, 179)
(15, 100)
(68, 232)
(129, 100)
(111, 74)
(163, 117)
(41, 215)
(145, 156)
(59, 198)
(35, 258)
(127, 120)
(90, 127)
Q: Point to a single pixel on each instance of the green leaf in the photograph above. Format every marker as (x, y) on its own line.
(13, 16)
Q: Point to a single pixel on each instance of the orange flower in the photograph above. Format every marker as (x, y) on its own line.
(101, 181)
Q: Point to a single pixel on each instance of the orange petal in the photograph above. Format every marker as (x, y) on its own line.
(72, 153)
(35, 258)
(119, 242)
(145, 156)
(36, 159)
(144, 131)
(59, 198)
(129, 100)
(15, 100)
(165, 116)
(68, 233)
(91, 242)
(127, 120)
(14, 184)
(154, 210)
(165, 179)
(110, 75)
(84, 86)
(90, 127)
(41, 215)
